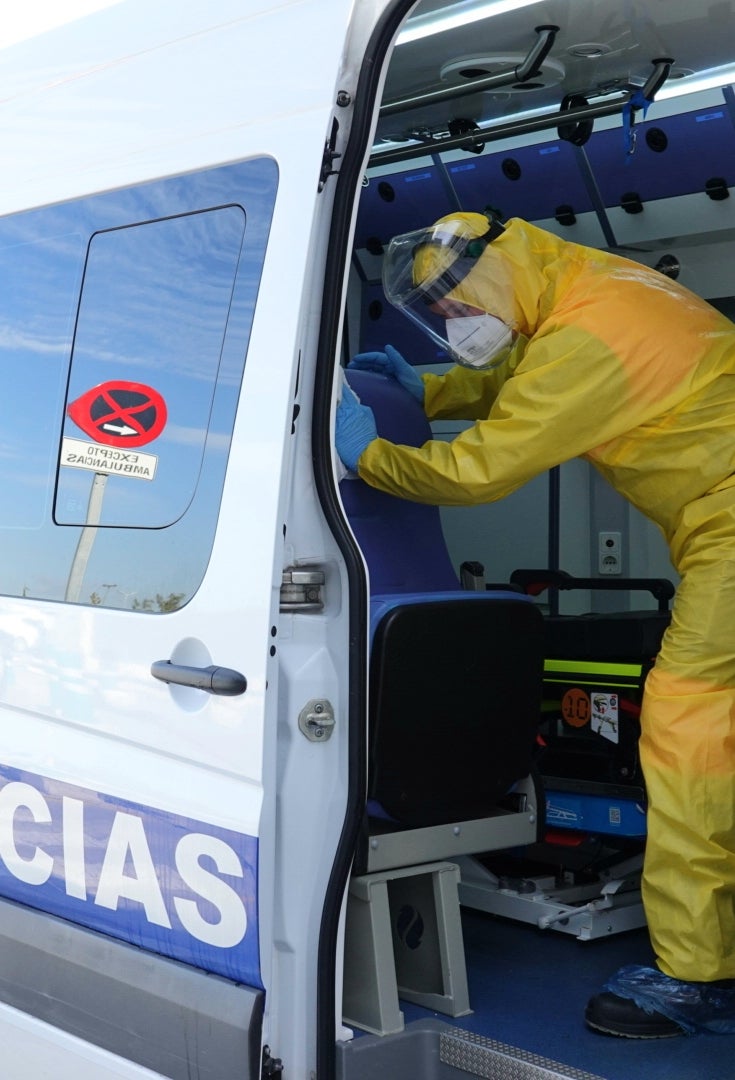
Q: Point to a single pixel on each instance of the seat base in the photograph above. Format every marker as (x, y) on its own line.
(611, 904)
(518, 824)
(403, 939)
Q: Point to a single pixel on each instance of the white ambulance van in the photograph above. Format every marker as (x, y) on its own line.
(196, 879)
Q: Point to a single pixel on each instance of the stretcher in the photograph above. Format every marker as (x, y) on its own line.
(583, 878)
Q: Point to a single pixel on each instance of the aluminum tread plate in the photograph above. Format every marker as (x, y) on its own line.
(482, 1057)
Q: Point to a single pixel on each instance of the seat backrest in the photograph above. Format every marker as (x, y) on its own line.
(455, 704)
(402, 541)
(455, 676)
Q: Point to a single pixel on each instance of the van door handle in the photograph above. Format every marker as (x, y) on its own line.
(213, 679)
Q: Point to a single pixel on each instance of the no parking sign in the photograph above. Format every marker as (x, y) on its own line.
(123, 414)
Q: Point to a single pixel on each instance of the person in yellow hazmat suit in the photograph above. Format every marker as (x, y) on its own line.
(564, 351)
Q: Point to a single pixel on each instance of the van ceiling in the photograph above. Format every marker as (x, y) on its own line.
(486, 67)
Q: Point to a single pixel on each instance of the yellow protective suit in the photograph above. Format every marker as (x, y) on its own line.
(632, 372)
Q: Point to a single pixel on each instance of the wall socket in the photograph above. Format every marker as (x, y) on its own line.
(609, 553)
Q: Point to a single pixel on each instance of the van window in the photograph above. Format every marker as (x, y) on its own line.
(124, 323)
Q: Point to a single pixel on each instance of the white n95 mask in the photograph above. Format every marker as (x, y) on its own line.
(478, 341)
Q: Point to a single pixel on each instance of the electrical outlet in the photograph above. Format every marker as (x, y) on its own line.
(609, 553)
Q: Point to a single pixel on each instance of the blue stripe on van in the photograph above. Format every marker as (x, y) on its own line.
(173, 885)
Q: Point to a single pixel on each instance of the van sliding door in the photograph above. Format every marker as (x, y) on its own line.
(132, 644)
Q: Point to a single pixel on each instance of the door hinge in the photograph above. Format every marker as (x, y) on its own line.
(271, 1066)
(301, 589)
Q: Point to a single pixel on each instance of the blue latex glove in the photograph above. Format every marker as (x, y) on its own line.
(391, 363)
(354, 428)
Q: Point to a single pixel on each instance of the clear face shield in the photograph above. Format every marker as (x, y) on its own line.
(420, 271)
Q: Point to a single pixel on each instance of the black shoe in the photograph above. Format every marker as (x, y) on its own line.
(615, 1015)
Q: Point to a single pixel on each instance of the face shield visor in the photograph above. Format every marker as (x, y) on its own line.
(428, 275)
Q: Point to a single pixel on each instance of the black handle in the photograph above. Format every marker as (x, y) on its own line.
(215, 680)
(536, 581)
(659, 75)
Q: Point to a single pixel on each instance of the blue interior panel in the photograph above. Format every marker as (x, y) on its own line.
(548, 176)
(399, 202)
(700, 146)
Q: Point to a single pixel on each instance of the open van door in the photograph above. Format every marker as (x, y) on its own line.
(135, 653)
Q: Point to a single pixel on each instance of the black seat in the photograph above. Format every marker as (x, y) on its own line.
(454, 704)
(455, 676)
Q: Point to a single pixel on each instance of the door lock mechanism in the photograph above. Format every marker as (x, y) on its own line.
(316, 720)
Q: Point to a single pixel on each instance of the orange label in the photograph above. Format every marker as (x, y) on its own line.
(575, 707)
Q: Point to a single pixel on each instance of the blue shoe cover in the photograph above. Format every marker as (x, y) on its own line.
(694, 1006)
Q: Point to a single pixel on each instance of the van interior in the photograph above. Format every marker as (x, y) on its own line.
(496, 885)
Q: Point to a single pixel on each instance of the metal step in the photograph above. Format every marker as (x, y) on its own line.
(435, 1050)
(481, 1057)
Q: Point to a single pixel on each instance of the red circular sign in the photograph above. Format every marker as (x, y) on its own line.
(120, 413)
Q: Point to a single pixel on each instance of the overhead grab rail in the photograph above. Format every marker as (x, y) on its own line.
(528, 124)
(520, 73)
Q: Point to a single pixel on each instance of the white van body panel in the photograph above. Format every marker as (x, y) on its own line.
(138, 91)
(38, 1050)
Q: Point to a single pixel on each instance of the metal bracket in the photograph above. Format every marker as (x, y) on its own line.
(271, 1066)
(330, 156)
(316, 720)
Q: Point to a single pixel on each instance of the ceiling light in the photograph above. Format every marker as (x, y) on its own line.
(422, 26)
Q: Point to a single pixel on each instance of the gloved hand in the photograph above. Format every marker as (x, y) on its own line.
(391, 363)
(354, 428)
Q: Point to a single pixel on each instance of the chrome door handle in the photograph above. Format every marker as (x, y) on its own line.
(213, 679)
